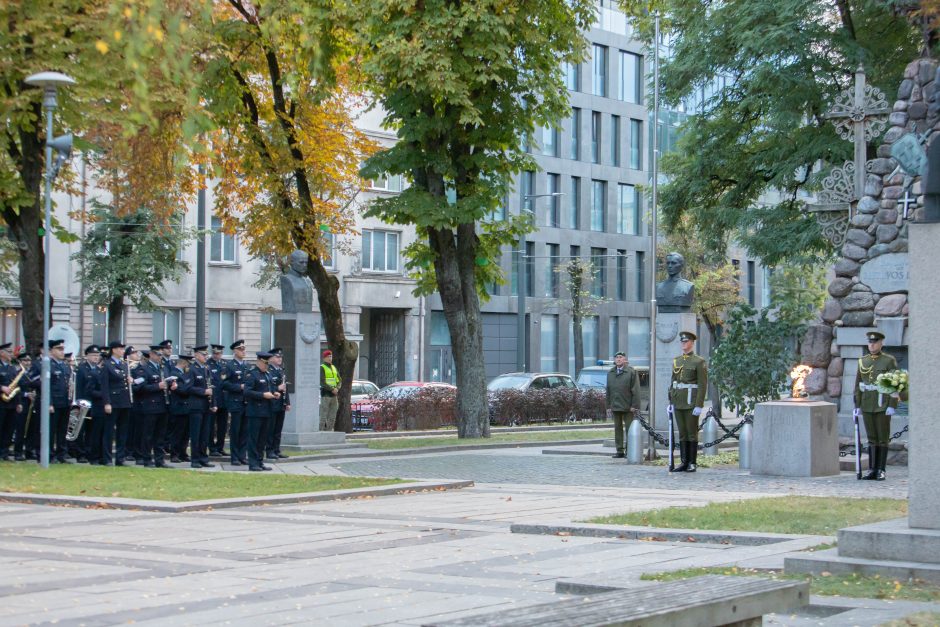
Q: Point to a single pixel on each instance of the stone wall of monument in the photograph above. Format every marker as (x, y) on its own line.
(871, 277)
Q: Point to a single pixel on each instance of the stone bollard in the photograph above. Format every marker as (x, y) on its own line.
(710, 434)
(744, 447)
(635, 443)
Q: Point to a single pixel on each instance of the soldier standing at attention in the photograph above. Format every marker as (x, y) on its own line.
(260, 395)
(219, 428)
(623, 395)
(197, 385)
(279, 407)
(876, 407)
(115, 381)
(687, 396)
(234, 386)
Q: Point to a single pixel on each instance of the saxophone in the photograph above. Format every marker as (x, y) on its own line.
(77, 419)
(14, 386)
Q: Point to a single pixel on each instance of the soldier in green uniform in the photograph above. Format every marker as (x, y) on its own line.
(876, 407)
(623, 398)
(687, 396)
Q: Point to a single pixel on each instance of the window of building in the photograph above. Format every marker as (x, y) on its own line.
(12, 329)
(573, 76)
(554, 202)
(599, 263)
(636, 145)
(379, 251)
(551, 271)
(640, 276)
(766, 295)
(440, 332)
(598, 203)
(550, 142)
(613, 336)
(222, 327)
(167, 326)
(751, 284)
(530, 268)
(99, 325)
(631, 77)
(548, 344)
(615, 140)
(736, 263)
(600, 70)
(526, 190)
(221, 245)
(328, 250)
(575, 252)
(574, 149)
(621, 275)
(267, 331)
(388, 183)
(628, 215)
(595, 137)
(589, 335)
(574, 204)
(638, 341)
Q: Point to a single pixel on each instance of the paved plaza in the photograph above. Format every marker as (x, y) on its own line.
(392, 560)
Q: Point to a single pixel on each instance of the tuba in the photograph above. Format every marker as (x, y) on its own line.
(77, 419)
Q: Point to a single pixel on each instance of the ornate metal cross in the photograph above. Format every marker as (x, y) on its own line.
(907, 201)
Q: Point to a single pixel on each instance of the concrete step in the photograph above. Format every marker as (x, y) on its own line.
(890, 540)
(847, 463)
(831, 562)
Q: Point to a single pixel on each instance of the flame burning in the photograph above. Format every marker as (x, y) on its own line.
(799, 374)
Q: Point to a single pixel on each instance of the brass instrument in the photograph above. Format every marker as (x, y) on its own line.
(14, 386)
(77, 418)
(71, 389)
(130, 381)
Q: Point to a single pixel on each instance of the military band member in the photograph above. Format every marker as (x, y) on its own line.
(622, 397)
(24, 410)
(234, 387)
(260, 395)
(179, 411)
(60, 403)
(152, 392)
(876, 407)
(86, 386)
(133, 357)
(279, 407)
(687, 397)
(34, 384)
(166, 352)
(8, 374)
(115, 380)
(198, 385)
(219, 428)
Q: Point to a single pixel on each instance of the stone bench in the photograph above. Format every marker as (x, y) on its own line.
(706, 600)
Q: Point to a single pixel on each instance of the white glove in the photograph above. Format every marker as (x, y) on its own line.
(670, 408)
(889, 411)
(138, 380)
(697, 411)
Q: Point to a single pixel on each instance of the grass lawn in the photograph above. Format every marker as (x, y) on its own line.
(723, 458)
(496, 438)
(165, 485)
(786, 514)
(920, 619)
(856, 586)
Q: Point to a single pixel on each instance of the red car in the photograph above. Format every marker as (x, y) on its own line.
(363, 412)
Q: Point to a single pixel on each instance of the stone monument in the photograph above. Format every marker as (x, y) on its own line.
(297, 332)
(673, 314)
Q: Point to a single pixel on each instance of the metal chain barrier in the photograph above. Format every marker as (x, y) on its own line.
(729, 433)
(845, 451)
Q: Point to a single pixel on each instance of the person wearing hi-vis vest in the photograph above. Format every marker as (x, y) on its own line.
(687, 396)
(876, 407)
(329, 391)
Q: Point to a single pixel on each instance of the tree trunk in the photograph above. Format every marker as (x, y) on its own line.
(576, 276)
(345, 352)
(455, 270)
(24, 226)
(115, 318)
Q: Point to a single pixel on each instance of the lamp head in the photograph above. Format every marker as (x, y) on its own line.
(50, 82)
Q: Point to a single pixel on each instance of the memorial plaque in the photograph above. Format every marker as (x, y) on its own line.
(909, 152)
(285, 331)
(887, 274)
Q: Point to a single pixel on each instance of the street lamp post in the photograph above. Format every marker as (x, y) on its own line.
(50, 82)
(521, 356)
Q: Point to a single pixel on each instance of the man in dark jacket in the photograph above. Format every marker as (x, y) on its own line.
(179, 410)
(87, 388)
(260, 394)
(623, 398)
(234, 387)
(198, 385)
(219, 428)
(115, 382)
(153, 393)
(279, 407)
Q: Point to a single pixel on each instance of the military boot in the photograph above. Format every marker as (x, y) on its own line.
(685, 459)
(872, 463)
(881, 462)
(692, 456)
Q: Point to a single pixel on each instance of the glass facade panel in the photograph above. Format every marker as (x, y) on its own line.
(598, 203)
(548, 344)
(574, 204)
(574, 149)
(600, 70)
(628, 215)
(638, 341)
(631, 77)
(636, 145)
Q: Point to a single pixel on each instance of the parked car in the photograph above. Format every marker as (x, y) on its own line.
(530, 381)
(595, 378)
(364, 411)
(362, 390)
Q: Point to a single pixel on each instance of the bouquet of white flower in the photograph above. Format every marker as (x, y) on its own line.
(894, 382)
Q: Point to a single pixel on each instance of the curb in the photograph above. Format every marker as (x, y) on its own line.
(623, 532)
(171, 507)
(437, 449)
(372, 435)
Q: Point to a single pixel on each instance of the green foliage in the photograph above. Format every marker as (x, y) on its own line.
(798, 291)
(754, 358)
(784, 61)
(131, 255)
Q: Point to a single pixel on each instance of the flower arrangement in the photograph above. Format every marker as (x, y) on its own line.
(894, 382)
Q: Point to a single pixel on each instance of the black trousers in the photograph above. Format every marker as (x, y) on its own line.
(219, 430)
(274, 434)
(199, 422)
(145, 425)
(7, 426)
(132, 448)
(238, 436)
(102, 435)
(257, 436)
(122, 423)
(58, 426)
(178, 434)
(19, 431)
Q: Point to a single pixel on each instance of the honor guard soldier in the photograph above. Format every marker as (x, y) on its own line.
(24, 408)
(260, 396)
(687, 397)
(86, 387)
(152, 393)
(280, 406)
(623, 398)
(179, 411)
(10, 378)
(876, 407)
(198, 385)
(234, 387)
(115, 381)
(219, 429)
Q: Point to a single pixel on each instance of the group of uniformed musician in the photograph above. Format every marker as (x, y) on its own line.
(146, 408)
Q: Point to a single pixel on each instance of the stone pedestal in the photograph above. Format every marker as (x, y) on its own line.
(668, 327)
(924, 461)
(795, 438)
(299, 336)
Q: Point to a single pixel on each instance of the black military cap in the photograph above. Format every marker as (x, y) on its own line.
(156, 347)
(54, 343)
(68, 355)
(620, 354)
(875, 336)
(145, 354)
(201, 349)
(183, 357)
(92, 348)
(276, 352)
(24, 355)
(687, 336)
(166, 344)
(116, 344)
(129, 349)
(217, 348)
(237, 344)
(4, 347)
(263, 355)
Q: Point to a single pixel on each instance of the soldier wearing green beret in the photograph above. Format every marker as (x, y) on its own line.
(687, 396)
(876, 407)
(623, 398)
